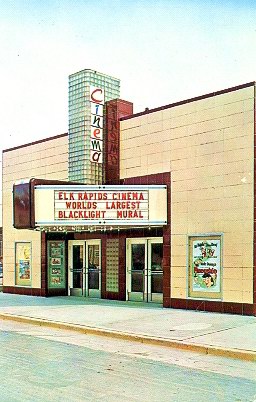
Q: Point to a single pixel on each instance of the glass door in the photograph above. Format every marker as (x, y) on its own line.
(84, 268)
(155, 271)
(136, 270)
(76, 257)
(93, 268)
(144, 270)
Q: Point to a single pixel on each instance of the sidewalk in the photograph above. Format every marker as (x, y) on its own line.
(209, 333)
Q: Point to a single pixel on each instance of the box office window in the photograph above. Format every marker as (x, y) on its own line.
(205, 267)
(23, 263)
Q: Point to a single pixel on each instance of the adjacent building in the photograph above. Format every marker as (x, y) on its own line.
(155, 207)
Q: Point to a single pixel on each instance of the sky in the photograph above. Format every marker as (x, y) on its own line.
(163, 51)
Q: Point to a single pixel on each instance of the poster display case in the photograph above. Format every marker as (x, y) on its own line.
(23, 263)
(56, 264)
(205, 267)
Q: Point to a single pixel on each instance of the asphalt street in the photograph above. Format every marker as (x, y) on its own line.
(45, 364)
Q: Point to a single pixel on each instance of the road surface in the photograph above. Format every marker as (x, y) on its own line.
(45, 364)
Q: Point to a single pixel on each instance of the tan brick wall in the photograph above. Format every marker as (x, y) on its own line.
(208, 145)
(44, 160)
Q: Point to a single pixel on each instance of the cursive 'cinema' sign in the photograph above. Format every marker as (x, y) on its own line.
(100, 205)
(96, 139)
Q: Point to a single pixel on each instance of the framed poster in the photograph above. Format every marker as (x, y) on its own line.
(205, 267)
(56, 264)
(23, 263)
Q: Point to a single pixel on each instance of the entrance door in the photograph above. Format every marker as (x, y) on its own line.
(84, 268)
(145, 270)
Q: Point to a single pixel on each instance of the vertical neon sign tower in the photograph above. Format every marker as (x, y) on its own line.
(88, 92)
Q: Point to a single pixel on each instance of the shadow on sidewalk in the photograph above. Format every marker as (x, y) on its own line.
(7, 299)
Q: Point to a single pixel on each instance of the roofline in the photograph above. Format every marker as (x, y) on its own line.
(95, 71)
(35, 142)
(209, 95)
(118, 100)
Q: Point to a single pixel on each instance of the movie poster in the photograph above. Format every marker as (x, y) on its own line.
(23, 264)
(205, 266)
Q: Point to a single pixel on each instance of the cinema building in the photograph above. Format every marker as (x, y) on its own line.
(153, 207)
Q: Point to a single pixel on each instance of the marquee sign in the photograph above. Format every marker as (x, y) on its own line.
(100, 205)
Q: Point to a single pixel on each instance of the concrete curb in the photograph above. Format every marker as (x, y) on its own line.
(247, 355)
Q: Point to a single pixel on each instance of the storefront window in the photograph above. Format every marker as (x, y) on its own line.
(205, 270)
(23, 264)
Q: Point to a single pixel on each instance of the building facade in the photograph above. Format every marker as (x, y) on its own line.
(46, 159)
(208, 146)
(156, 206)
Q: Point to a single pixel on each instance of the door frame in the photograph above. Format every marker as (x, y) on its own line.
(85, 291)
(146, 295)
